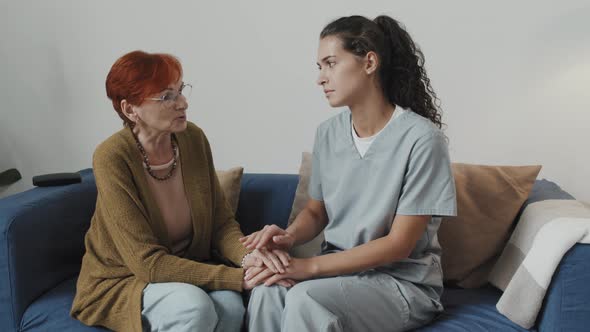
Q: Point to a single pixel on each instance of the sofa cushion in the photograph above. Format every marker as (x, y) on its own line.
(471, 310)
(230, 182)
(51, 312)
(488, 200)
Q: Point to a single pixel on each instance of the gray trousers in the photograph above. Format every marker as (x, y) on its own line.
(175, 306)
(368, 301)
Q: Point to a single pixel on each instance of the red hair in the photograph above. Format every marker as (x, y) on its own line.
(138, 75)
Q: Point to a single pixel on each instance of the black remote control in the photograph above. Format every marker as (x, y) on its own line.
(56, 179)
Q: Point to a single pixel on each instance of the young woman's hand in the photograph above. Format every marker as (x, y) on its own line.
(275, 260)
(270, 237)
(299, 269)
(255, 276)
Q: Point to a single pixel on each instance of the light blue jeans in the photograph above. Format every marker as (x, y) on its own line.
(175, 306)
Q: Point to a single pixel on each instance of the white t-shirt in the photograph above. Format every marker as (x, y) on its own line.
(363, 143)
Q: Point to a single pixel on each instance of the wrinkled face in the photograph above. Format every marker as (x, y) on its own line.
(342, 75)
(163, 112)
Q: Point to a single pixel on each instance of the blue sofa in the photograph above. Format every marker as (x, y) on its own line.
(41, 246)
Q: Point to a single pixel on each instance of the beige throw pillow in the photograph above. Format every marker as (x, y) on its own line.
(231, 182)
(313, 247)
(488, 200)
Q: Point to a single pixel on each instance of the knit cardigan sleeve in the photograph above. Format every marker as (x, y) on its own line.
(226, 230)
(129, 231)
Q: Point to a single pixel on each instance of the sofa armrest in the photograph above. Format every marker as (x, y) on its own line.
(41, 242)
(566, 305)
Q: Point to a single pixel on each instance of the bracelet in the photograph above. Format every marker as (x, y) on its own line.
(244, 259)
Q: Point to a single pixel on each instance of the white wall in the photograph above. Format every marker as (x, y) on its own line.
(513, 77)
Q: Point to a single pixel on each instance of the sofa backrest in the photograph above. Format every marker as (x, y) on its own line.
(542, 190)
(265, 199)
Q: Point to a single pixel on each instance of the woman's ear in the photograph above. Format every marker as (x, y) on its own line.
(371, 62)
(128, 111)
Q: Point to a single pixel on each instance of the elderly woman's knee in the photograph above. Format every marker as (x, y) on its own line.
(186, 305)
(193, 299)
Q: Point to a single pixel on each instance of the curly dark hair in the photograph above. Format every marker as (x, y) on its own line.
(402, 74)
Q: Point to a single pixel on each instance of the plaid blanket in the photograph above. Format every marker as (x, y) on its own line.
(544, 233)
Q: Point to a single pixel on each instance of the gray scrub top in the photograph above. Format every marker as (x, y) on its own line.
(405, 171)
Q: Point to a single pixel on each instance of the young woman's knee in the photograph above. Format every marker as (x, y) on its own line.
(298, 297)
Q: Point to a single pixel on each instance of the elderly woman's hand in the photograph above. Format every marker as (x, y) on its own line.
(275, 260)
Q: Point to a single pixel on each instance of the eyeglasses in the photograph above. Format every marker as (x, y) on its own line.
(170, 97)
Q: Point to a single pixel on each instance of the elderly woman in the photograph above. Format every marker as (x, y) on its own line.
(160, 215)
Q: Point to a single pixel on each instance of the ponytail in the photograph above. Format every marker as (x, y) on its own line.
(402, 75)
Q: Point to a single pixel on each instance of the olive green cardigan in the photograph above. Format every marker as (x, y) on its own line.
(127, 245)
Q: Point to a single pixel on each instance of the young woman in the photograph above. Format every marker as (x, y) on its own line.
(381, 179)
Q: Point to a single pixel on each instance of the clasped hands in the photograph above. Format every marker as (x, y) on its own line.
(270, 263)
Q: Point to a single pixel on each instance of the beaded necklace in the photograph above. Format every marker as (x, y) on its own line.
(148, 167)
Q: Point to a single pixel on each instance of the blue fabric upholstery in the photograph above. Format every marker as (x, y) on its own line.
(543, 190)
(41, 246)
(265, 199)
(51, 312)
(471, 310)
(42, 242)
(567, 302)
